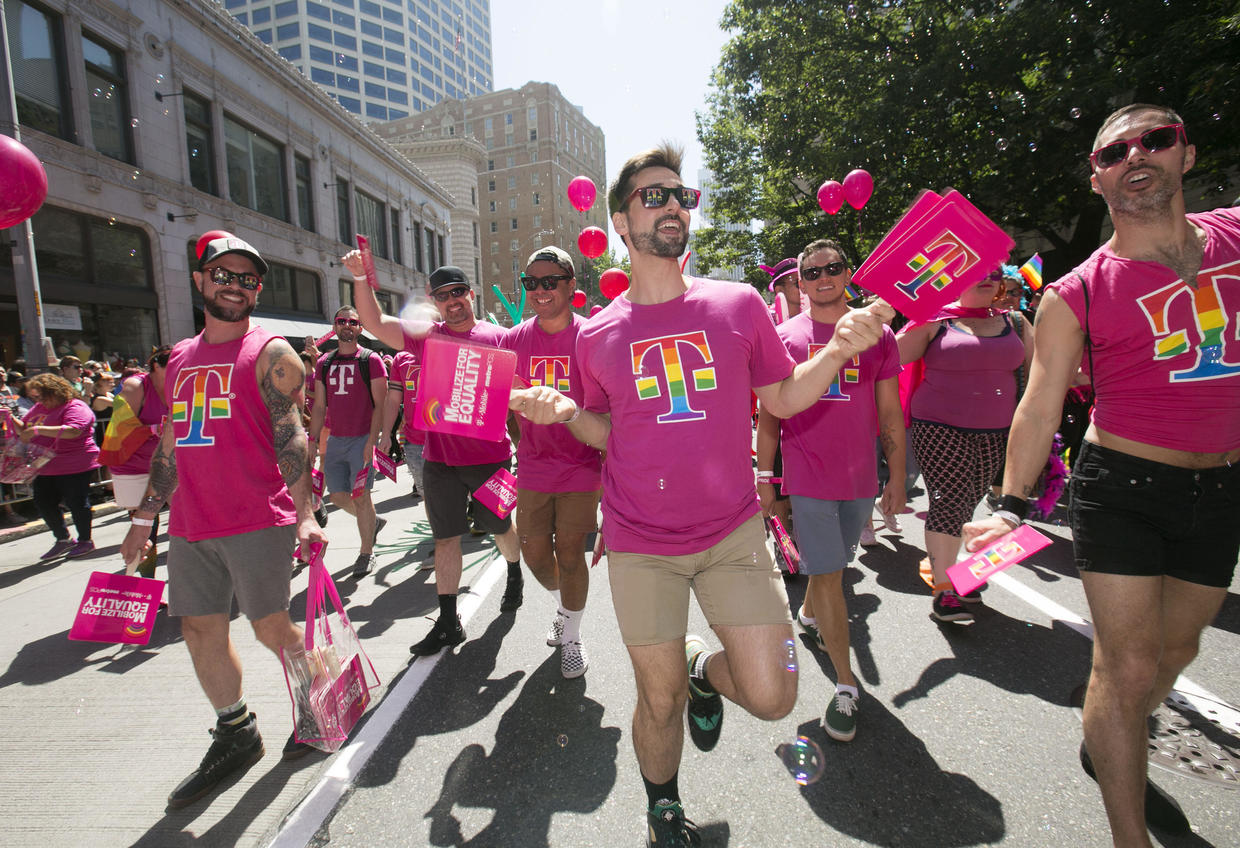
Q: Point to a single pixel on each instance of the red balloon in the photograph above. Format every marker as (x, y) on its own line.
(612, 283)
(830, 196)
(595, 309)
(209, 235)
(23, 182)
(581, 193)
(858, 186)
(592, 242)
(579, 298)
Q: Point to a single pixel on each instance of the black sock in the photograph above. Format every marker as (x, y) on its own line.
(447, 609)
(514, 570)
(662, 794)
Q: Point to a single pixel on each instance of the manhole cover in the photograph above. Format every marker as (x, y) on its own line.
(1197, 737)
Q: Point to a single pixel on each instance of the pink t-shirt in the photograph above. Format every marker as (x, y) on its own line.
(349, 401)
(462, 450)
(970, 381)
(228, 481)
(829, 448)
(152, 413)
(405, 368)
(549, 457)
(676, 379)
(75, 455)
(1167, 355)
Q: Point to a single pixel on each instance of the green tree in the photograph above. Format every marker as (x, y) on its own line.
(1000, 100)
(590, 271)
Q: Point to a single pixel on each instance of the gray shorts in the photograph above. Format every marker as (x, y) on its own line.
(828, 531)
(203, 576)
(414, 462)
(341, 462)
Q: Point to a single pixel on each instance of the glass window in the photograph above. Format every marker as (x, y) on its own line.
(443, 256)
(393, 16)
(512, 183)
(395, 243)
(492, 206)
(396, 114)
(322, 77)
(512, 223)
(494, 227)
(259, 16)
(535, 198)
(317, 10)
(344, 221)
(321, 54)
(372, 29)
(305, 192)
(417, 247)
(372, 49)
(475, 233)
(371, 69)
(199, 144)
(430, 249)
(292, 52)
(533, 135)
(396, 57)
(346, 41)
(291, 289)
(393, 36)
(398, 77)
(374, 110)
(347, 82)
(255, 170)
(263, 35)
(531, 115)
(508, 138)
(351, 103)
(348, 63)
(287, 9)
(375, 90)
(512, 203)
(366, 7)
(340, 19)
(109, 101)
(508, 119)
(319, 33)
(292, 30)
(490, 185)
(533, 178)
(395, 95)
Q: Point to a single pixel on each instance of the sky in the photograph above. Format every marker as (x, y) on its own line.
(639, 69)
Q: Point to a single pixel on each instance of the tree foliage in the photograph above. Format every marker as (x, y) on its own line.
(1000, 100)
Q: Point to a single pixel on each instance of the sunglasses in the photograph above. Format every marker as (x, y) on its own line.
(348, 322)
(224, 277)
(654, 197)
(831, 269)
(1151, 141)
(455, 291)
(548, 283)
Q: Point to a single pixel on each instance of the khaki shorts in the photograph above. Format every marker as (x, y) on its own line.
(544, 513)
(735, 581)
(203, 576)
(129, 489)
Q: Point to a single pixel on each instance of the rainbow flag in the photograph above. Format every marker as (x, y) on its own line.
(125, 434)
(1032, 272)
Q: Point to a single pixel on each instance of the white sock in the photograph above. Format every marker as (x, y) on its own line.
(812, 622)
(555, 596)
(572, 624)
(848, 690)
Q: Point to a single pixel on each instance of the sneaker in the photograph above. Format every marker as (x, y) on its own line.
(892, 523)
(60, 548)
(320, 514)
(705, 712)
(513, 595)
(414, 493)
(380, 523)
(555, 633)
(667, 827)
(439, 638)
(362, 565)
(82, 548)
(294, 750)
(232, 751)
(811, 630)
(573, 660)
(947, 607)
(840, 721)
(974, 597)
(868, 539)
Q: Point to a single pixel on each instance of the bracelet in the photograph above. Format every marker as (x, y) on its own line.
(576, 413)
(358, 279)
(143, 522)
(1008, 516)
(1017, 506)
(761, 475)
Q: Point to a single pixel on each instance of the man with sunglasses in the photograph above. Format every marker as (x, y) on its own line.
(668, 369)
(1152, 316)
(350, 386)
(234, 463)
(558, 482)
(453, 466)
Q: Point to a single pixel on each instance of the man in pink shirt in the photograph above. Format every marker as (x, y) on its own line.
(234, 463)
(668, 371)
(350, 385)
(1152, 316)
(557, 476)
(829, 469)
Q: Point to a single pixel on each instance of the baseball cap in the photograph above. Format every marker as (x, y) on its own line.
(447, 275)
(553, 254)
(231, 244)
(782, 269)
(13, 376)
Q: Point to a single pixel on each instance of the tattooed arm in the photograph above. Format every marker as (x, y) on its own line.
(892, 438)
(159, 489)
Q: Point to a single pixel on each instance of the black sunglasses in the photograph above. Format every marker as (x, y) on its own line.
(348, 322)
(653, 197)
(224, 277)
(548, 283)
(1151, 141)
(456, 291)
(832, 269)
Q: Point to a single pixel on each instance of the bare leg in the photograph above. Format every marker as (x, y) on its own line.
(827, 590)
(539, 554)
(215, 659)
(448, 565)
(658, 723)
(943, 550)
(570, 555)
(752, 669)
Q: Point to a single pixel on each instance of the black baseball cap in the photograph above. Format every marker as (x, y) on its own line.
(447, 275)
(231, 244)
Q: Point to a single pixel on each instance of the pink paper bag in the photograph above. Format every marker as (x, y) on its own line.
(1006, 550)
(463, 389)
(498, 493)
(385, 465)
(117, 608)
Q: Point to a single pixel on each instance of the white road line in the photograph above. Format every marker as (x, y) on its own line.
(301, 825)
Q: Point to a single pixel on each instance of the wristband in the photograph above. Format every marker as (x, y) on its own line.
(1008, 516)
(762, 475)
(361, 279)
(576, 413)
(1019, 507)
(142, 522)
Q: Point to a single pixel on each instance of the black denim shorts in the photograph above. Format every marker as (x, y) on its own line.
(1134, 516)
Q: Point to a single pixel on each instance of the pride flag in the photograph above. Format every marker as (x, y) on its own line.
(1032, 272)
(125, 434)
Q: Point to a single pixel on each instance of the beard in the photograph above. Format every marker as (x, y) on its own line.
(226, 312)
(656, 245)
(1151, 201)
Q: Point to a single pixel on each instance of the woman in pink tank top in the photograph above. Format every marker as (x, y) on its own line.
(144, 392)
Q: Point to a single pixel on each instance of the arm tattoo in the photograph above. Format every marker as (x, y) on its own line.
(279, 387)
(888, 441)
(163, 480)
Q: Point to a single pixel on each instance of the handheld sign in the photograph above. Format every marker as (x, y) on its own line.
(385, 465)
(1007, 550)
(791, 555)
(498, 493)
(316, 482)
(463, 389)
(368, 261)
(359, 482)
(117, 608)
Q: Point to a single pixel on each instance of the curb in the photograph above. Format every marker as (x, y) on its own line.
(31, 528)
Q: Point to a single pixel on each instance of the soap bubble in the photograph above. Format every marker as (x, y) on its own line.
(803, 759)
(159, 78)
(662, 484)
(133, 122)
(1033, 146)
(790, 651)
(561, 740)
(418, 315)
(1001, 144)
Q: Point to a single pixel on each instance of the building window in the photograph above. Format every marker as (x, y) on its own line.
(199, 143)
(513, 245)
(37, 59)
(494, 227)
(508, 138)
(508, 119)
(109, 100)
(490, 164)
(512, 223)
(396, 235)
(305, 194)
(533, 178)
(533, 135)
(475, 233)
(535, 198)
(291, 289)
(512, 203)
(538, 220)
(442, 253)
(512, 183)
(417, 247)
(430, 249)
(255, 170)
(490, 185)
(344, 219)
(531, 115)
(372, 222)
(473, 196)
(491, 206)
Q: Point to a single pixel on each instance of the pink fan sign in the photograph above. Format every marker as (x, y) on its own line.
(498, 493)
(463, 389)
(385, 465)
(1007, 550)
(117, 608)
(316, 482)
(359, 482)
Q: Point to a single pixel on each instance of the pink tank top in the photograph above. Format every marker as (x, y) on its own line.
(970, 381)
(228, 482)
(152, 412)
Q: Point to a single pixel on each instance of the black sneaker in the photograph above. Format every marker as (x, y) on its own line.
(439, 638)
(232, 751)
(947, 607)
(513, 595)
(413, 493)
(705, 711)
(974, 597)
(1161, 810)
(667, 827)
(380, 523)
(362, 565)
(294, 750)
(320, 514)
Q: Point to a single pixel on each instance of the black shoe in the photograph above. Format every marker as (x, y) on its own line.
(232, 751)
(320, 515)
(1161, 810)
(513, 595)
(666, 826)
(380, 523)
(362, 565)
(413, 493)
(439, 638)
(294, 750)
(705, 712)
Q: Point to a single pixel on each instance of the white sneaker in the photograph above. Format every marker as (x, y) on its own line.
(867, 536)
(573, 659)
(892, 523)
(555, 633)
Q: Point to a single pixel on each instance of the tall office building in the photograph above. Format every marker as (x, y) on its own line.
(707, 219)
(381, 59)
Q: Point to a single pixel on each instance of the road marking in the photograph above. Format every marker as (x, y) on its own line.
(304, 822)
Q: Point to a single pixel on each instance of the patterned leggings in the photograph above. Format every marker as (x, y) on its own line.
(958, 467)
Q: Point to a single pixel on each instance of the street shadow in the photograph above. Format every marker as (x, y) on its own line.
(884, 788)
(551, 755)
(1228, 617)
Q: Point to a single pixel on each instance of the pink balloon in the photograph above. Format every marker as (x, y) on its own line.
(23, 182)
(595, 309)
(830, 196)
(592, 242)
(858, 186)
(579, 299)
(612, 283)
(581, 193)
